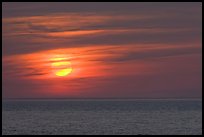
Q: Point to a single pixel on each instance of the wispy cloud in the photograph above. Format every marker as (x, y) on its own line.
(60, 29)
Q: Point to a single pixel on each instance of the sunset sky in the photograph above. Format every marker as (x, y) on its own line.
(102, 50)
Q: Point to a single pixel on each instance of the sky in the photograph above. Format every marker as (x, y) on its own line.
(102, 50)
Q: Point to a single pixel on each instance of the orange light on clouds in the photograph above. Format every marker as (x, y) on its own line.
(80, 62)
(69, 62)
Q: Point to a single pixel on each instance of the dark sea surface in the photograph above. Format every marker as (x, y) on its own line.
(102, 117)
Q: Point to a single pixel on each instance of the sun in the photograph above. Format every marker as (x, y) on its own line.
(64, 72)
(61, 67)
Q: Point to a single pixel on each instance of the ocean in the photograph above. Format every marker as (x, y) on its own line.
(102, 117)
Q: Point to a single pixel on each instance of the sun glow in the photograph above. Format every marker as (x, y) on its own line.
(61, 63)
(67, 63)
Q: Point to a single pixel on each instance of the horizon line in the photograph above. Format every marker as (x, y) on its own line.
(185, 98)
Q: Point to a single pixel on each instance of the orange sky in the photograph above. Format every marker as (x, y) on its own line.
(124, 53)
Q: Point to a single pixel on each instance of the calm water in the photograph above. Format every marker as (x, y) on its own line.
(102, 117)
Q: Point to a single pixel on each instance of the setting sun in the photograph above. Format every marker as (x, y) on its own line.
(61, 67)
(64, 72)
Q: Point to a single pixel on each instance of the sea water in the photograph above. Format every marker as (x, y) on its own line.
(102, 117)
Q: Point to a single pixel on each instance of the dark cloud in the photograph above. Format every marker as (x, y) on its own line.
(17, 69)
(34, 8)
(40, 28)
(177, 37)
(22, 44)
(151, 54)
